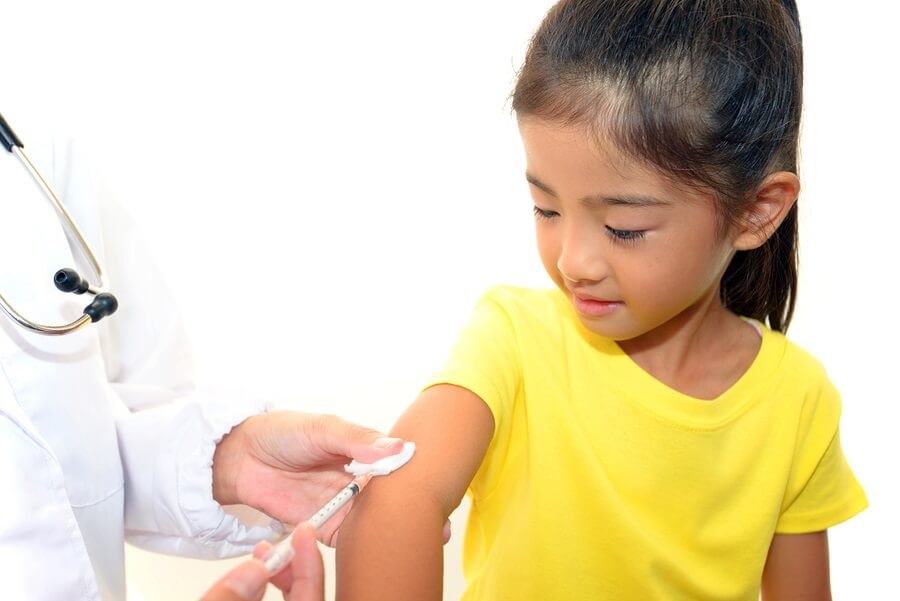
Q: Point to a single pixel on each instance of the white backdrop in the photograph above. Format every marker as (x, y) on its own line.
(330, 185)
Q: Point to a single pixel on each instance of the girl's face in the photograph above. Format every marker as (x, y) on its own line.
(630, 249)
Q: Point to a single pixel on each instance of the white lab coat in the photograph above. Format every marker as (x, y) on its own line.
(101, 436)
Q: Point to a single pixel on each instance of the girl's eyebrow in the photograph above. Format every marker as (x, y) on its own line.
(630, 200)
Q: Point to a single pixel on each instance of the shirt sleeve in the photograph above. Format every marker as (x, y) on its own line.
(167, 452)
(822, 490)
(167, 431)
(485, 360)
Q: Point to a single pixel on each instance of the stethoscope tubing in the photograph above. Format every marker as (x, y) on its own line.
(71, 227)
(14, 145)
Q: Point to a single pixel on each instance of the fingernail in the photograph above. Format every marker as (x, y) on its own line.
(246, 582)
(386, 442)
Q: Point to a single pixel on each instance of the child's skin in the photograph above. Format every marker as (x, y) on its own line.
(641, 259)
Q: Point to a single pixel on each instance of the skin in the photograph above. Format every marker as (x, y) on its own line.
(612, 230)
(797, 568)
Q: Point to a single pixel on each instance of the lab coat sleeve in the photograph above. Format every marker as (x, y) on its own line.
(167, 431)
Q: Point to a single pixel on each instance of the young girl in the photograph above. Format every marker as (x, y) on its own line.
(644, 430)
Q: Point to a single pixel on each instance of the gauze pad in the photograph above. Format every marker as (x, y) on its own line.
(385, 465)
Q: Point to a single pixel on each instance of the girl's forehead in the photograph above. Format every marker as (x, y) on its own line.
(573, 147)
(574, 157)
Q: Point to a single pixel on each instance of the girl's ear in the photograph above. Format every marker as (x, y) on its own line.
(770, 205)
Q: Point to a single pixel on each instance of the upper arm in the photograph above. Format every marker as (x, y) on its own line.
(452, 428)
(391, 544)
(797, 568)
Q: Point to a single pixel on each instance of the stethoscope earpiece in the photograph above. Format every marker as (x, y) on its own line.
(103, 304)
(68, 280)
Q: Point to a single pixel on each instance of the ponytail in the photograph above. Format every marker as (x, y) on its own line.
(762, 283)
(791, 7)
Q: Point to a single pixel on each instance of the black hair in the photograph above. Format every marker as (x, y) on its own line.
(707, 91)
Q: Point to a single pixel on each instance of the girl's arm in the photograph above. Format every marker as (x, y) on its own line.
(797, 568)
(391, 545)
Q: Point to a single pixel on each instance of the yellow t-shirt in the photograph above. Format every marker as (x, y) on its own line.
(602, 483)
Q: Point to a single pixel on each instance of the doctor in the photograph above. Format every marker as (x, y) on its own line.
(102, 435)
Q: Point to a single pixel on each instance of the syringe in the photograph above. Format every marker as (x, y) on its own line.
(281, 553)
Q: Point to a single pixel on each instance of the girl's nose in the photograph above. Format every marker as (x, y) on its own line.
(581, 258)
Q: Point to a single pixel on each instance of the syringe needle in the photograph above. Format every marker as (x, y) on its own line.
(281, 553)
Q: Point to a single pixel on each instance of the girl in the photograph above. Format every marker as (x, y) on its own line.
(643, 430)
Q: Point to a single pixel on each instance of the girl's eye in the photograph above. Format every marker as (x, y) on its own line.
(544, 214)
(625, 235)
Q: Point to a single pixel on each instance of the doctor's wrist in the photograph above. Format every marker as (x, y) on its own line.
(227, 460)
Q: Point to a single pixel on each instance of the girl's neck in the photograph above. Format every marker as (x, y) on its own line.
(701, 352)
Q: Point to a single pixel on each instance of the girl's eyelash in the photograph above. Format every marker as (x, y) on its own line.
(618, 236)
(625, 236)
(544, 214)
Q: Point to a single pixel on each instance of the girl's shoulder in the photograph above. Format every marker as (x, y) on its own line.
(798, 374)
(511, 294)
(524, 306)
(793, 357)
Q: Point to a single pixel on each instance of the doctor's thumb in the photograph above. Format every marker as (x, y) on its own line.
(246, 582)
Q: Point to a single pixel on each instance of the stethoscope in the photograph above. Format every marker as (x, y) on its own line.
(66, 280)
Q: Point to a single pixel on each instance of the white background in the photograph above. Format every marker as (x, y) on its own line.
(330, 185)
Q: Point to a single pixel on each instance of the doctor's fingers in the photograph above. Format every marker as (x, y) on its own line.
(332, 435)
(246, 582)
(304, 578)
(307, 569)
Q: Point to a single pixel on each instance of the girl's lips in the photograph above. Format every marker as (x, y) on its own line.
(592, 307)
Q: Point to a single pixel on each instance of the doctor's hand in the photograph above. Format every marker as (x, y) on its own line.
(288, 464)
(303, 580)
